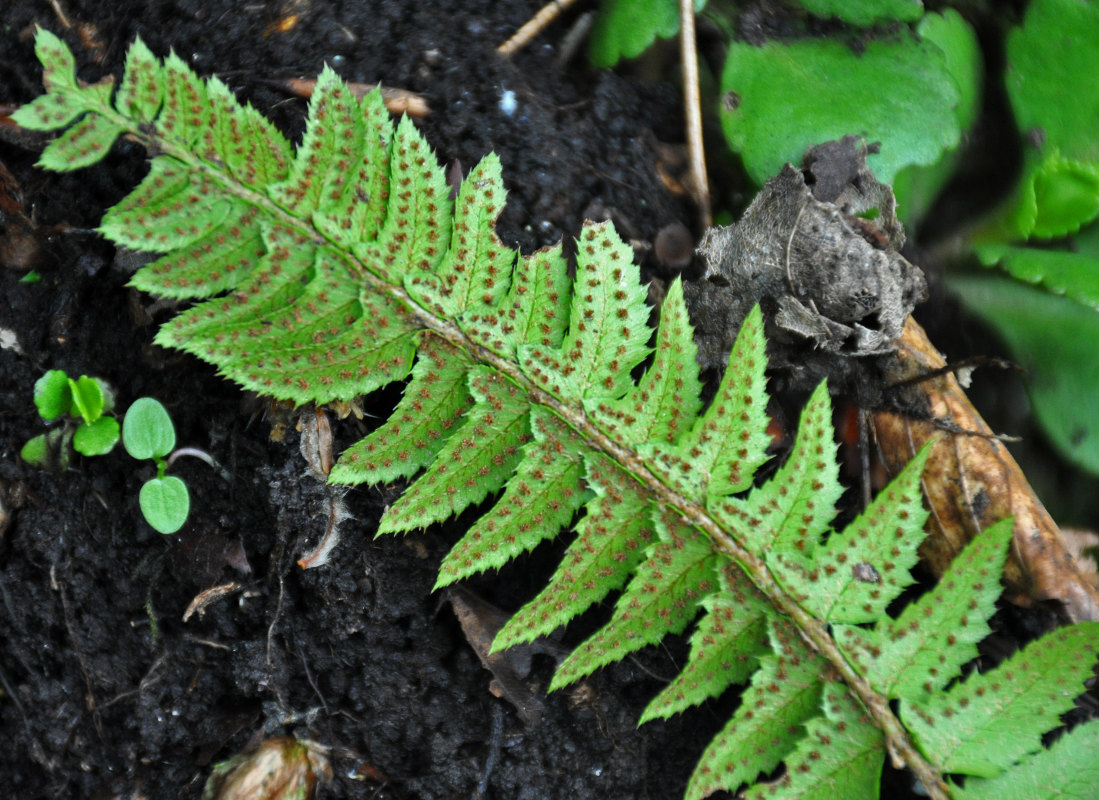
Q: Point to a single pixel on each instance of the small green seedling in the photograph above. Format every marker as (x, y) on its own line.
(148, 433)
(86, 401)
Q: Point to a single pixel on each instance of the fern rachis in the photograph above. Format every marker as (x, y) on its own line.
(324, 272)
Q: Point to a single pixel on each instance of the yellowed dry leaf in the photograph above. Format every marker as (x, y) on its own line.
(971, 481)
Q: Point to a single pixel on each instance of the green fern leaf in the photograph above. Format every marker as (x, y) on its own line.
(142, 91)
(413, 236)
(888, 532)
(668, 396)
(608, 335)
(663, 597)
(475, 461)
(839, 756)
(431, 409)
(783, 695)
(1068, 768)
(925, 647)
(985, 724)
(539, 500)
(171, 209)
(611, 542)
(725, 648)
(326, 272)
(787, 514)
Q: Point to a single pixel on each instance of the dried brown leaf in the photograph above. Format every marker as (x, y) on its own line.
(971, 481)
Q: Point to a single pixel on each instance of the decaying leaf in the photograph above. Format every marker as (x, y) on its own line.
(833, 287)
(278, 769)
(481, 621)
(972, 481)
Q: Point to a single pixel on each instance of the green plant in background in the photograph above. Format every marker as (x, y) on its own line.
(912, 84)
(85, 404)
(325, 272)
(1046, 237)
(626, 28)
(148, 433)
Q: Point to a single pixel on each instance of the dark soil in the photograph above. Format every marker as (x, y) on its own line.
(104, 690)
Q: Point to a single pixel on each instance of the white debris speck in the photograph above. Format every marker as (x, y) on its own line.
(9, 340)
(508, 104)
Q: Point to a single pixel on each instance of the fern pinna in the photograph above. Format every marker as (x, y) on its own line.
(329, 270)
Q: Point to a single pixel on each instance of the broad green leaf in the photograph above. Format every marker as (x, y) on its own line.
(916, 187)
(36, 451)
(989, 721)
(626, 28)
(865, 12)
(165, 503)
(611, 541)
(147, 430)
(50, 449)
(1075, 275)
(1049, 60)
(1067, 769)
(88, 399)
(1053, 339)
(53, 395)
(780, 99)
(96, 438)
(783, 695)
(926, 646)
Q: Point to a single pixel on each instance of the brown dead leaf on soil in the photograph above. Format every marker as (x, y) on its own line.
(971, 481)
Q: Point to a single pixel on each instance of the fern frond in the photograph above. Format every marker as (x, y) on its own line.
(328, 271)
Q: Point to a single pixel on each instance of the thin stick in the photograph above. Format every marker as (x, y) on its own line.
(693, 109)
(534, 26)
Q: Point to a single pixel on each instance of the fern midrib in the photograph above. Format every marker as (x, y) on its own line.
(813, 630)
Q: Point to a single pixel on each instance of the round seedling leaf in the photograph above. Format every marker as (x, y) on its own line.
(96, 438)
(35, 451)
(147, 430)
(52, 395)
(165, 502)
(87, 398)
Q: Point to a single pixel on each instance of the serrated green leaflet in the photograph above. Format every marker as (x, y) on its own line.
(538, 501)
(725, 647)
(986, 723)
(925, 647)
(1067, 769)
(524, 401)
(783, 695)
